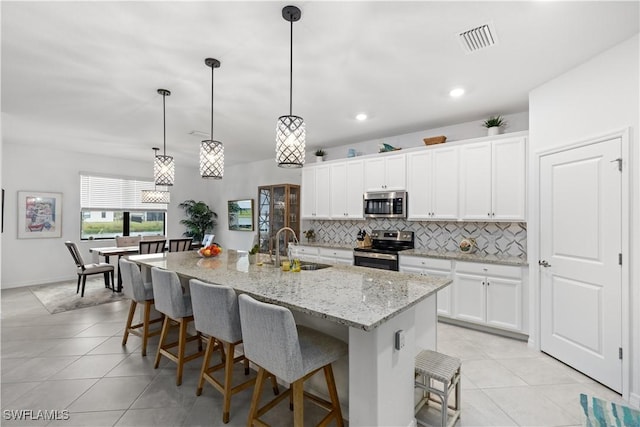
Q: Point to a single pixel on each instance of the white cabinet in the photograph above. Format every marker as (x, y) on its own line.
(346, 189)
(432, 184)
(315, 192)
(488, 294)
(335, 256)
(386, 172)
(431, 267)
(493, 180)
(304, 253)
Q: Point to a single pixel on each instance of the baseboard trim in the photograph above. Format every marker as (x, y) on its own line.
(38, 282)
(634, 400)
(488, 329)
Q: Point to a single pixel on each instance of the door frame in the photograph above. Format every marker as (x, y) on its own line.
(533, 238)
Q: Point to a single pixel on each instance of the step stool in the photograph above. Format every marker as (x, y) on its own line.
(435, 369)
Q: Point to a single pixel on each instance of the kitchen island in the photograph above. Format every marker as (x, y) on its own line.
(366, 307)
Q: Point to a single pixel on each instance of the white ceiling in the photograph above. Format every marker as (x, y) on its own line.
(83, 76)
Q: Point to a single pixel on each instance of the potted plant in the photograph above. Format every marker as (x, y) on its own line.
(320, 155)
(310, 235)
(493, 125)
(253, 253)
(200, 219)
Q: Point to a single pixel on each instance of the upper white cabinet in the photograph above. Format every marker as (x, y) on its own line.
(385, 173)
(346, 189)
(315, 192)
(493, 180)
(432, 184)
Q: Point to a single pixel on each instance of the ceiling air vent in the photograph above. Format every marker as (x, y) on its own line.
(477, 38)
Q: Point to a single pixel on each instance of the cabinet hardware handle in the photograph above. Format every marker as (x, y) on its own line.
(488, 214)
(488, 283)
(544, 263)
(483, 283)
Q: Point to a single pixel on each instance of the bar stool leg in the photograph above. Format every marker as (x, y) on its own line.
(132, 312)
(163, 336)
(298, 403)
(182, 342)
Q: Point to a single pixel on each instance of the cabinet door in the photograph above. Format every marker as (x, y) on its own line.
(374, 174)
(504, 303)
(306, 253)
(354, 185)
(444, 184)
(469, 297)
(338, 192)
(444, 295)
(419, 185)
(308, 189)
(509, 180)
(323, 199)
(475, 185)
(395, 173)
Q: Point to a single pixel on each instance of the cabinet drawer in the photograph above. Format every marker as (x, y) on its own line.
(489, 269)
(434, 263)
(336, 253)
(306, 250)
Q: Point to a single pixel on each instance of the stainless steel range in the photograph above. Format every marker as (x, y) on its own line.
(384, 249)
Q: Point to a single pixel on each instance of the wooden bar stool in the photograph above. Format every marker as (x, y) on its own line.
(176, 307)
(433, 368)
(216, 314)
(292, 352)
(138, 292)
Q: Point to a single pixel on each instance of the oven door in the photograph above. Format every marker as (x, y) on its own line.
(376, 260)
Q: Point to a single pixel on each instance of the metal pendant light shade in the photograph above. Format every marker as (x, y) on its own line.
(290, 130)
(155, 195)
(164, 169)
(211, 152)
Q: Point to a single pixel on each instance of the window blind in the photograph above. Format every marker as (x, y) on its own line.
(101, 192)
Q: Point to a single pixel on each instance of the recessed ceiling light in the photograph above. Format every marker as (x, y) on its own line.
(361, 117)
(456, 92)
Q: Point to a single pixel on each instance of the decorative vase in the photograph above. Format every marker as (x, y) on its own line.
(493, 130)
(252, 258)
(319, 158)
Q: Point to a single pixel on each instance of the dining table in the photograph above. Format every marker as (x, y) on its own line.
(386, 317)
(112, 251)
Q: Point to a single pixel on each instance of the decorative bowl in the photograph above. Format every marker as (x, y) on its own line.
(467, 245)
(210, 251)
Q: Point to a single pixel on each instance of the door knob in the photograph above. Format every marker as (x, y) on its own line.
(544, 263)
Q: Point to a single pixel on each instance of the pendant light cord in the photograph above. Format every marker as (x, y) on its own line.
(211, 134)
(164, 124)
(291, 72)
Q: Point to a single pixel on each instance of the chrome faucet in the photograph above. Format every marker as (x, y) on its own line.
(277, 261)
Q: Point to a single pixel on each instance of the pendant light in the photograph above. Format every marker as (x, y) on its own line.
(155, 195)
(164, 169)
(211, 152)
(290, 130)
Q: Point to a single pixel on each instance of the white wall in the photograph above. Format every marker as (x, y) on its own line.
(35, 261)
(593, 99)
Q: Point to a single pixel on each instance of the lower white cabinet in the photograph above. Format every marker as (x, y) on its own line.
(305, 253)
(323, 255)
(431, 267)
(335, 256)
(488, 294)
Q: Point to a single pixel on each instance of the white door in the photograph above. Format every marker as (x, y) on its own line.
(580, 240)
(509, 187)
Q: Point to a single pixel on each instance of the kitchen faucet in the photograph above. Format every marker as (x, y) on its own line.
(277, 261)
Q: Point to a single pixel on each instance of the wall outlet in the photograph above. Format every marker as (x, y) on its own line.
(399, 339)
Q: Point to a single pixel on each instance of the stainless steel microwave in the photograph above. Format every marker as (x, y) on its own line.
(385, 204)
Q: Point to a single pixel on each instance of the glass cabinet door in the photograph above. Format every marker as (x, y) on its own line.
(278, 206)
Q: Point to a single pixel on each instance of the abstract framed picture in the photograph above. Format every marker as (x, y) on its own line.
(39, 215)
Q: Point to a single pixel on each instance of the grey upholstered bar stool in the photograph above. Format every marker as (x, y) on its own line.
(176, 307)
(216, 314)
(139, 292)
(293, 353)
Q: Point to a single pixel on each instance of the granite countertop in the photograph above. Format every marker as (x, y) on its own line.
(358, 297)
(459, 256)
(426, 253)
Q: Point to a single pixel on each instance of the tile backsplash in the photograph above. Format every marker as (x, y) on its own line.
(492, 238)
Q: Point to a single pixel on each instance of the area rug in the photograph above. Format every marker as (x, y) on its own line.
(60, 297)
(600, 413)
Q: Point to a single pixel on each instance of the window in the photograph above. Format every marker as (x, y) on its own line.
(112, 206)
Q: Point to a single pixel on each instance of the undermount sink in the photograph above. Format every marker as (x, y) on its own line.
(312, 266)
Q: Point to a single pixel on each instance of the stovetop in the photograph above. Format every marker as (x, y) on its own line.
(389, 241)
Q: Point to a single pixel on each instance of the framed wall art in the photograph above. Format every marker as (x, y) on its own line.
(39, 215)
(240, 215)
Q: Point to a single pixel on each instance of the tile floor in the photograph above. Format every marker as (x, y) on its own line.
(74, 361)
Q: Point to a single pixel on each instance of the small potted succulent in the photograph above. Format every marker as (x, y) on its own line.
(320, 155)
(493, 125)
(310, 235)
(253, 254)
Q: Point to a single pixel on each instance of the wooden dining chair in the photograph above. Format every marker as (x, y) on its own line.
(123, 241)
(85, 270)
(151, 246)
(180, 245)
